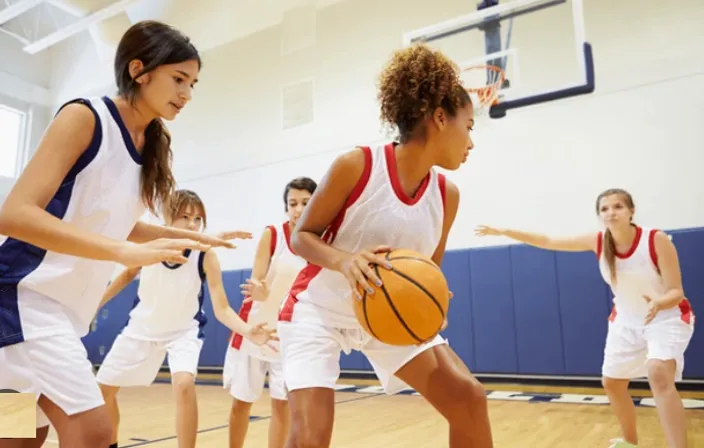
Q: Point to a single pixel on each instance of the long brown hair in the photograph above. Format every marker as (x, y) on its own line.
(609, 245)
(154, 44)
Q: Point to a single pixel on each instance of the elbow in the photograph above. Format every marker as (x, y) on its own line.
(296, 243)
(8, 221)
(220, 313)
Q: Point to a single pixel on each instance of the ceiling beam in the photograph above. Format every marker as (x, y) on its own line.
(66, 7)
(17, 9)
(78, 26)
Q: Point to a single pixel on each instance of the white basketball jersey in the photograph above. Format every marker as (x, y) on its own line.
(169, 300)
(637, 275)
(44, 292)
(378, 212)
(284, 265)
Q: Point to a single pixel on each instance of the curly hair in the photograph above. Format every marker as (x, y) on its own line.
(415, 82)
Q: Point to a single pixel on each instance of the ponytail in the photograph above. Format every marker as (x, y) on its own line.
(158, 181)
(610, 254)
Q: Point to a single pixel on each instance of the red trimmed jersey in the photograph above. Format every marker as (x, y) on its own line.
(282, 260)
(638, 275)
(377, 212)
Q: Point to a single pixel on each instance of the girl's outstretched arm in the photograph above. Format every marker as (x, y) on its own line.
(222, 309)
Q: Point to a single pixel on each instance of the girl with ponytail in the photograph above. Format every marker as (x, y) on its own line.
(651, 323)
(74, 212)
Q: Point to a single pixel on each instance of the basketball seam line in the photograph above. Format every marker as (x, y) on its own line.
(393, 308)
(442, 313)
(366, 316)
(429, 263)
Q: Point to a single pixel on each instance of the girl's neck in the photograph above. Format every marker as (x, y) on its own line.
(413, 162)
(624, 237)
(136, 117)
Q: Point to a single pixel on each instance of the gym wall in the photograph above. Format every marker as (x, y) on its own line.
(516, 310)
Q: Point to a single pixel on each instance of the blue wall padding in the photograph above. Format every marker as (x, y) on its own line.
(516, 310)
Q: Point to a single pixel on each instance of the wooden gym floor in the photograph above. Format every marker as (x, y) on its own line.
(521, 417)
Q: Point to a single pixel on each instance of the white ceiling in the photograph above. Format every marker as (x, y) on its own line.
(39, 24)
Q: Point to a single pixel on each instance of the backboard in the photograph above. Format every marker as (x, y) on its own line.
(540, 45)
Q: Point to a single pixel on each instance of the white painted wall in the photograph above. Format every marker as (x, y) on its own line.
(539, 168)
(24, 86)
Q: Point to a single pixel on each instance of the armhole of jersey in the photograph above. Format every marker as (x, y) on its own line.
(443, 190)
(599, 244)
(363, 179)
(274, 237)
(201, 269)
(651, 249)
(92, 150)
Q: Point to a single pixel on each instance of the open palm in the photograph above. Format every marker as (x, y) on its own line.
(486, 230)
(261, 335)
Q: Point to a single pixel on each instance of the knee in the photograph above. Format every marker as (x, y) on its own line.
(240, 407)
(308, 437)
(184, 385)
(279, 409)
(98, 433)
(463, 397)
(661, 376)
(613, 385)
(309, 433)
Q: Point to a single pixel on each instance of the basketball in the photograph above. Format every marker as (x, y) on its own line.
(411, 304)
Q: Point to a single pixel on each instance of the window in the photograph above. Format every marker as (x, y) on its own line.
(11, 124)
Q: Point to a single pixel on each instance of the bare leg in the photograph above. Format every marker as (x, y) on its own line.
(440, 376)
(661, 376)
(312, 417)
(239, 422)
(110, 397)
(622, 406)
(280, 423)
(184, 386)
(89, 429)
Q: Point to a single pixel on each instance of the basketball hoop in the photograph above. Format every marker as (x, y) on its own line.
(483, 82)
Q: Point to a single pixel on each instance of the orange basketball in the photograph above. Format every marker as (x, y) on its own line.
(410, 306)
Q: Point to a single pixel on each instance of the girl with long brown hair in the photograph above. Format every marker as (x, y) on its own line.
(651, 323)
(74, 212)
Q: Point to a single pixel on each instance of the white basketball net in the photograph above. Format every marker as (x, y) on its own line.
(483, 82)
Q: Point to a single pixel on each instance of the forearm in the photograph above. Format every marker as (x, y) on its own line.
(35, 226)
(229, 318)
(671, 298)
(144, 232)
(115, 287)
(530, 238)
(310, 247)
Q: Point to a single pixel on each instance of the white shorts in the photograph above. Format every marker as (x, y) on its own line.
(311, 355)
(54, 366)
(136, 362)
(245, 375)
(628, 348)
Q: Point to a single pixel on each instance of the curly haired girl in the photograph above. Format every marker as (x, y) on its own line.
(371, 200)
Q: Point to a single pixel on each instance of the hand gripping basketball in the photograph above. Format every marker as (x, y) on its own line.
(357, 269)
(410, 307)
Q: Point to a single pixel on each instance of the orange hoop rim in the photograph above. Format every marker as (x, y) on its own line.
(488, 93)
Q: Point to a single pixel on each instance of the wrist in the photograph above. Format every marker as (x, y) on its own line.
(117, 250)
(339, 259)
